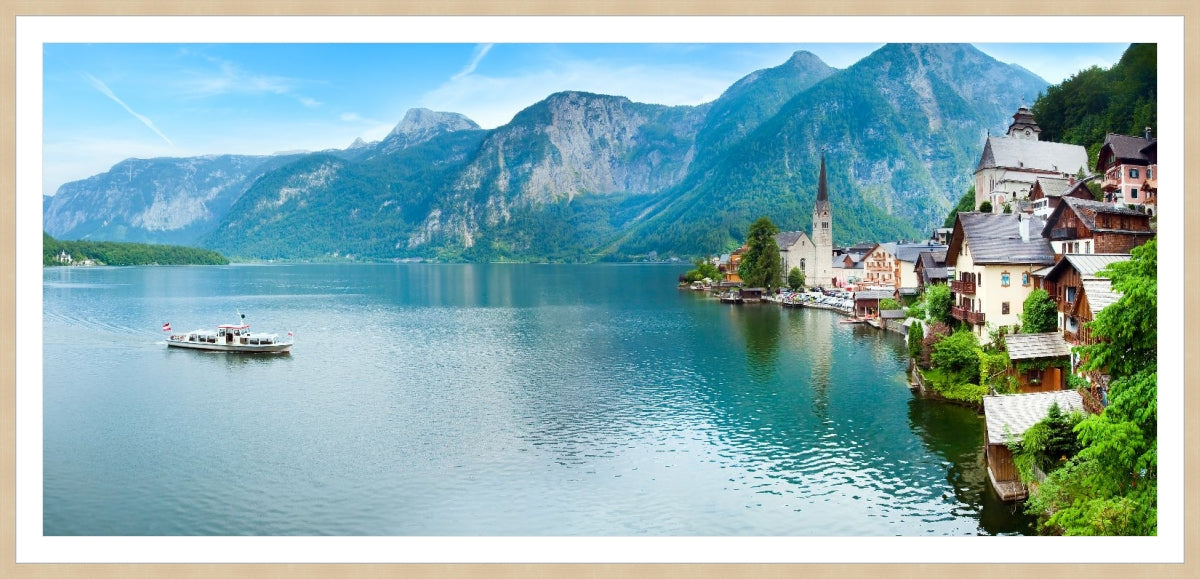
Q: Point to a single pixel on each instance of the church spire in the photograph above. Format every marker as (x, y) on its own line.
(822, 186)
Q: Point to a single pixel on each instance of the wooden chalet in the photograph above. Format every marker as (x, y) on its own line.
(1081, 226)
(1006, 418)
(1048, 192)
(1047, 354)
(930, 269)
(1075, 284)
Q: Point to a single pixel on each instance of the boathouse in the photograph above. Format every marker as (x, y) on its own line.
(1006, 419)
(866, 303)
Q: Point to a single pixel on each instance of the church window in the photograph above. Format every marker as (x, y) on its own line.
(1004, 279)
(1025, 279)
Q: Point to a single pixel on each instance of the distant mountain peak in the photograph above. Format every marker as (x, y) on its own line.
(420, 125)
(419, 121)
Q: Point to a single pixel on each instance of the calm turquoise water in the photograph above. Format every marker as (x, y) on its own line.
(487, 400)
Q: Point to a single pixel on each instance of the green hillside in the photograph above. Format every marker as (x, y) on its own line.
(119, 253)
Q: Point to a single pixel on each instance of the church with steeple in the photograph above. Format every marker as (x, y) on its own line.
(822, 234)
(812, 254)
(1011, 165)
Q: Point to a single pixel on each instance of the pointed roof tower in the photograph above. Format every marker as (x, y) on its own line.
(822, 187)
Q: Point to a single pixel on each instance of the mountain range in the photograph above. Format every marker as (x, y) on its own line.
(581, 177)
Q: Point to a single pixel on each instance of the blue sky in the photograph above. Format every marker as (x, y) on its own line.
(105, 102)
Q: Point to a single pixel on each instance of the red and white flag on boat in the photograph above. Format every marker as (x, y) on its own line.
(289, 334)
(167, 327)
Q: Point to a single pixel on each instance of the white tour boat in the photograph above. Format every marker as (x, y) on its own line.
(230, 338)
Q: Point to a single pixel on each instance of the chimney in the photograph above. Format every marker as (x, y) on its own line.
(1023, 227)
(1148, 135)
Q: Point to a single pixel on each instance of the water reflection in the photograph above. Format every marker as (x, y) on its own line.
(759, 328)
(487, 400)
(956, 433)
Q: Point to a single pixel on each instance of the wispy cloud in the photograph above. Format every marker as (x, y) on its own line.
(229, 78)
(103, 88)
(481, 51)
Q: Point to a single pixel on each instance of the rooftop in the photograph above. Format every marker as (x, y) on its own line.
(1099, 294)
(1087, 210)
(1013, 414)
(910, 252)
(1126, 148)
(1032, 155)
(1053, 186)
(996, 238)
(787, 239)
(1031, 346)
(1088, 265)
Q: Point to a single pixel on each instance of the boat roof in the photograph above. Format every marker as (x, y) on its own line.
(234, 326)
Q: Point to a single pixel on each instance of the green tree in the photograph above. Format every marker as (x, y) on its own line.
(916, 333)
(956, 356)
(889, 304)
(795, 278)
(985, 207)
(1047, 444)
(966, 203)
(760, 265)
(916, 310)
(1094, 102)
(1040, 313)
(1111, 486)
(937, 304)
(704, 269)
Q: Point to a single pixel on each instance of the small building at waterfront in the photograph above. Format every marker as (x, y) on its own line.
(866, 303)
(1006, 418)
(1039, 362)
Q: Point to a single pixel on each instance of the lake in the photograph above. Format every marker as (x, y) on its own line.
(488, 399)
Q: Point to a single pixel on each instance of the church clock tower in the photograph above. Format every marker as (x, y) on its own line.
(822, 235)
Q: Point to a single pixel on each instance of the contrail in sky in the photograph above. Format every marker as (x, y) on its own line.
(480, 52)
(100, 86)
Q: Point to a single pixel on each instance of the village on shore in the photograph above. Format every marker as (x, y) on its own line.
(1045, 226)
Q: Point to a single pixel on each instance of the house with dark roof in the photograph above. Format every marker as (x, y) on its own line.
(796, 249)
(1038, 361)
(930, 269)
(994, 257)
(1081, 293)
(1048, 192)
(1009, 166)
(1006, 420)
(1125, 163)
(847, 269)
(1076, 285)
(866, 303)
(1084, 226)
(908, 282)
